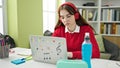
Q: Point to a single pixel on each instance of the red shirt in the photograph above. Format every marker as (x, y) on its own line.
(74, 41)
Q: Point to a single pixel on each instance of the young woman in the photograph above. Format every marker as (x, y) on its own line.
(73, 27)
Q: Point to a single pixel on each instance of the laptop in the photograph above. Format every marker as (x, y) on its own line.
(48, 49)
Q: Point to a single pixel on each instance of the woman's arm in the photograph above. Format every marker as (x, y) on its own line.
(95, 48)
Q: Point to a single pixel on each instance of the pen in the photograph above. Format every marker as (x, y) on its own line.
(118, 64)
(28, 58)
(3, 49)
(6, 50)
(0, 49)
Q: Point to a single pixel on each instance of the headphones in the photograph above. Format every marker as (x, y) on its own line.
(73, 6)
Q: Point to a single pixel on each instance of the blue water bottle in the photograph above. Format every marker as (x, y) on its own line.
(87, 50)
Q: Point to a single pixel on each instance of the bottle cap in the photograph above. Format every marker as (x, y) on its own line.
(87, 36)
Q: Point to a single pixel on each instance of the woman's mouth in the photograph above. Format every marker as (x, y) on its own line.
(66, 24)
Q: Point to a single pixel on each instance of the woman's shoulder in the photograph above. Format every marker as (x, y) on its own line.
(59, 31)
(60, 28)
(85, 27)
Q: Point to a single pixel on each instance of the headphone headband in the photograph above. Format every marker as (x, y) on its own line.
(71, 5)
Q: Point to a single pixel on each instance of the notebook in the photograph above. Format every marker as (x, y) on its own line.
(48, 49)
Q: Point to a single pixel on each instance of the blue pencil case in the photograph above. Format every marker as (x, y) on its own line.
(18, 61)
(71, 64)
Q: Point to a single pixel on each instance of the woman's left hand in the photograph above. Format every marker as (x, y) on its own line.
(69, 54)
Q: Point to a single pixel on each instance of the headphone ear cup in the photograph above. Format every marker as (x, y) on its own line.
(76, 16)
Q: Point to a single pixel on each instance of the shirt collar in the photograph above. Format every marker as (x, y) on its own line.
(77, 29)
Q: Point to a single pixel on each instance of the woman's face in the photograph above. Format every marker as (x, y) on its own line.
(67, 19)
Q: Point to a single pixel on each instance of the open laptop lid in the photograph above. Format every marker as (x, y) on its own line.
(48, 49)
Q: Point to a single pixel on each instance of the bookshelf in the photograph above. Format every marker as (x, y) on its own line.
(102, 15)
(110, 17)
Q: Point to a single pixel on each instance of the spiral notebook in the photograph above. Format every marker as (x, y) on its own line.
(48, 49)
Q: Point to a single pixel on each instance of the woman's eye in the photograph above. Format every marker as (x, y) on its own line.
(68, 16)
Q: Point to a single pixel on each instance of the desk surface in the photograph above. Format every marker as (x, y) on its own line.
(6, 63)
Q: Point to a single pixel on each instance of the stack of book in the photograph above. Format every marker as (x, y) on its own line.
(110, 28)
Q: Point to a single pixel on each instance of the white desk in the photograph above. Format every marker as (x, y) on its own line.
(6, 63)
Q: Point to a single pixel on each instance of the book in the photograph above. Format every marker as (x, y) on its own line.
(113, 28)
(95, 16)
(80, 11)
(84, 12)
(109, 28)
(102, 28)
(118, 29)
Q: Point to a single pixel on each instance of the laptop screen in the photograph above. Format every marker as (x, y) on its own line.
(48, 49)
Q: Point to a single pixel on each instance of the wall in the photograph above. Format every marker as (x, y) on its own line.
(24, 19)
